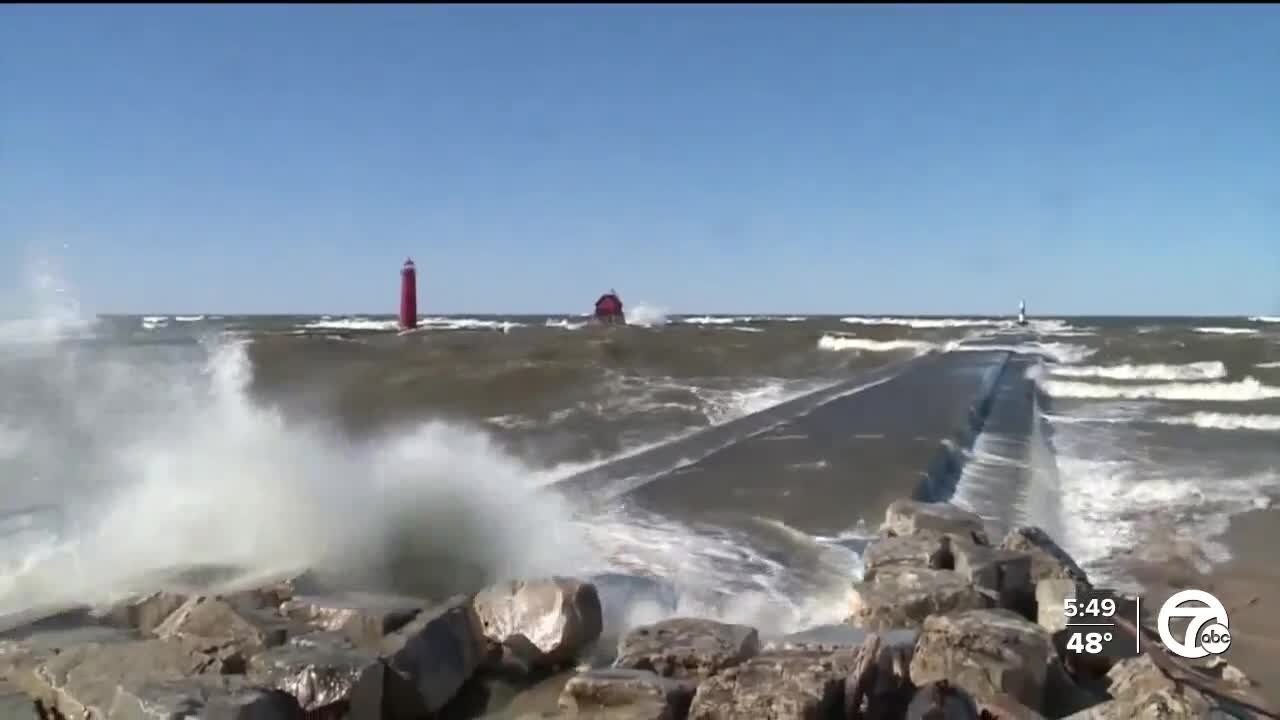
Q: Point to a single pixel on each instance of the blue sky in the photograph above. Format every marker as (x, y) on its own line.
(922, 159)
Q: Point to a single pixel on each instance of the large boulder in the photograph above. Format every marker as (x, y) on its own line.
(206, 697)
(438, 650)
(559, 616)
(906, 517)
(142, 613)
(988, 653)
(216, 622)
(622, 694)
(365, 618)
(786, 685)
(83, 680)
(1004, 574)
(1051, 595)
(687, 647)
(902, 597)
(1048, 559)
(1142, 691)
(326, 672)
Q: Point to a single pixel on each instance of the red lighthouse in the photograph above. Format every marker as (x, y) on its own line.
(408, 296)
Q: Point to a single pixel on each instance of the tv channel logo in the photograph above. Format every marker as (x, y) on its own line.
(1206, 633)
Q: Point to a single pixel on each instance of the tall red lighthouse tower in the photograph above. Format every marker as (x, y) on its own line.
(408, 296)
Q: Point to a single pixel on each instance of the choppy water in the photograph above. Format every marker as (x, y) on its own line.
(137, 443)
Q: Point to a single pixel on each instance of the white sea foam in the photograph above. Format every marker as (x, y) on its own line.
(1209, 370)
(1226, 331)
(1246, 390)
(1108, 505)
(646, 315)
(843, 343)
(1265, 319)
(189, 318)
(925, 323)
(1225, 421)
(565, 324)
(1268, 365)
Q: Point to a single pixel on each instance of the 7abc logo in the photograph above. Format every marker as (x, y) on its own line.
(1206, 633)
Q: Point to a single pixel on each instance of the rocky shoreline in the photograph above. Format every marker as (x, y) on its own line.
(944, 624)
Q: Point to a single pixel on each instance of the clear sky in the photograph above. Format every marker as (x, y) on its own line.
(922, 159)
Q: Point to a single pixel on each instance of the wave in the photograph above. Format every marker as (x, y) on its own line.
(647, 316)
(1265, 319)
(1226, 331)
(433, 323)
(1211, 370)
(565, 324)
(842, 343)
(1246, 390)
(924, 323)
(189, 318)
(1225, 421)
(1268, 365)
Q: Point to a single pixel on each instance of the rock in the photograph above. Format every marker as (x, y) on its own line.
(941, 701)
(82, 681)
(622, 694)
(907, 517)
(1003, 707)
(206, 698)
(1048, 559)
(1005, 573)
(326, 670)
(143, 613)
(216, 622)
(902, 597)
(438, 650)
(788, 685)
(1141, 690)
(823, 637)
(985, 652)
(1050, 594)
(1236, 676)
(687, 647)
(365, 618)
(559, 616)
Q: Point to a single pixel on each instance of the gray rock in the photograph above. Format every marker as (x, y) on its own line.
(822, 637)
(687, 647)
(902, 597)
(1048, 559)
(559, 616)
(985, 652)
(217, 623)
(1050, 594)
(906, 517)
(82, 681)
(788, 685)
(941, 701)
(203, 698)
(143, 613)
(1142, 691)
(622, 694)
(438, 650)
(326, 670)
(365, 618)
(1003, 707)
(1005, 574)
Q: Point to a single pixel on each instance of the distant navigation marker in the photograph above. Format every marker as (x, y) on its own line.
(408, 296)
(1022, 312)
